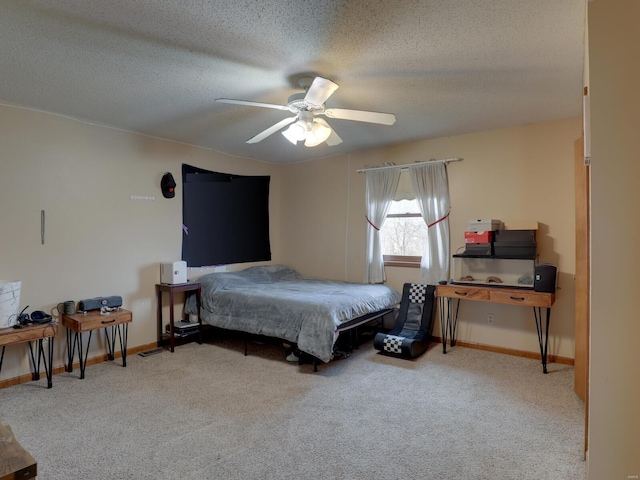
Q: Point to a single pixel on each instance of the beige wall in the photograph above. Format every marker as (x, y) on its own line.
(614, 413)
(516, 173)
(98, 241)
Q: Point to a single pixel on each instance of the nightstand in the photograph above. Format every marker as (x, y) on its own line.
(90, 321)
(172, 289)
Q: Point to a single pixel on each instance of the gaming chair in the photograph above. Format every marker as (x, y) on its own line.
(411, 335)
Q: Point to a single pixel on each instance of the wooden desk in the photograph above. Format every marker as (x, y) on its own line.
(29, 333)
(88, 322)
(508, 296)
(172, 289)
(15, 461)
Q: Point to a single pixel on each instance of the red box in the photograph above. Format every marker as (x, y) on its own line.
(478, 237)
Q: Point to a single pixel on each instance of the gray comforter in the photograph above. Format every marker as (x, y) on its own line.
(277, 301)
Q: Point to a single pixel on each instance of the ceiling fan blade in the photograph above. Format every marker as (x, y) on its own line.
(272, 129)
(252, 104)
(334, 139)
(361, 116)
(320, 90)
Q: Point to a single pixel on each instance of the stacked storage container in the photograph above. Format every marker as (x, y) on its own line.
(497, 254)
(479, 237)
(515, 243)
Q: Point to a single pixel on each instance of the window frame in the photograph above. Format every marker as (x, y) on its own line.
(408, 261)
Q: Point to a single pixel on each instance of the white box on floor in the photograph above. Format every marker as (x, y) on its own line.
(173, 272)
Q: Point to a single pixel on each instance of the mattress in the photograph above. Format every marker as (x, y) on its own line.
(277, 301)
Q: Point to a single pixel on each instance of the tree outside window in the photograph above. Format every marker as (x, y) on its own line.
(403, 234)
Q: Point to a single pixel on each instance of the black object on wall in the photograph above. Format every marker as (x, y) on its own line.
(545, 278)
(168, 185)
(225, 218)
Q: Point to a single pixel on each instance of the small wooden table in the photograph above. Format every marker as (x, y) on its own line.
(29, 333)
(506, 296)
(15, 461)
(82, 322)
(172, 289)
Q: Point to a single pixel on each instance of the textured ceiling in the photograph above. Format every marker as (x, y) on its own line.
(443, 67)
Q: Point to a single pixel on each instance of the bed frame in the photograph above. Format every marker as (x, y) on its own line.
(350, 326)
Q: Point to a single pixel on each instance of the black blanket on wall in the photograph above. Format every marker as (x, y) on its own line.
(225, 218)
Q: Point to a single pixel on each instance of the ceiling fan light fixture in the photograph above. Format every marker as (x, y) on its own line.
(305, 126)
(296, 132)
(317, 134)
(289, 136)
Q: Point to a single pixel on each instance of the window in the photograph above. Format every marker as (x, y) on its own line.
(403, 234)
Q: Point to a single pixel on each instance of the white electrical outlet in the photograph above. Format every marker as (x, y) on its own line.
(490, 318)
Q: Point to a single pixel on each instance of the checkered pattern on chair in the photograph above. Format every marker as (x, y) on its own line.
(411, 334)
(392, 344)
(417, 293)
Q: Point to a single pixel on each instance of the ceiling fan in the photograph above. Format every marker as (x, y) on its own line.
(305, 124)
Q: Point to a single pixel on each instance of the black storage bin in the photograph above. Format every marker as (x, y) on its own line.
(515, 236)
(478, 249)
(515, 250)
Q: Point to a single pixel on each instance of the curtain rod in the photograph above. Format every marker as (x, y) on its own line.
(405, 166)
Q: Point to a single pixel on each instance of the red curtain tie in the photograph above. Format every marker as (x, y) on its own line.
(371, 223)
(439, 220)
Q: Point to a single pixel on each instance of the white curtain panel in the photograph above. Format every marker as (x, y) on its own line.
(405, 188)
(431, 186)
(381, 189)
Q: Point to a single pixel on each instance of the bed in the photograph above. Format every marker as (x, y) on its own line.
(277, 301)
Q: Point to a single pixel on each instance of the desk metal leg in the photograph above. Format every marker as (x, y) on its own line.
(448, 321)
(2, 356)
(82, 355)
(36, 366)
(111, 341)
(543, 341)
(453, 322)
(71, 350)
(50, 371)
(74, 339)
(444, 320)
(46, 359)
(123, 335)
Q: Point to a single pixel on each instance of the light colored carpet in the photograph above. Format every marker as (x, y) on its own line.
(208, 412)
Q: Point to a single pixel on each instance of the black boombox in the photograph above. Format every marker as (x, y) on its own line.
(99, 302)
